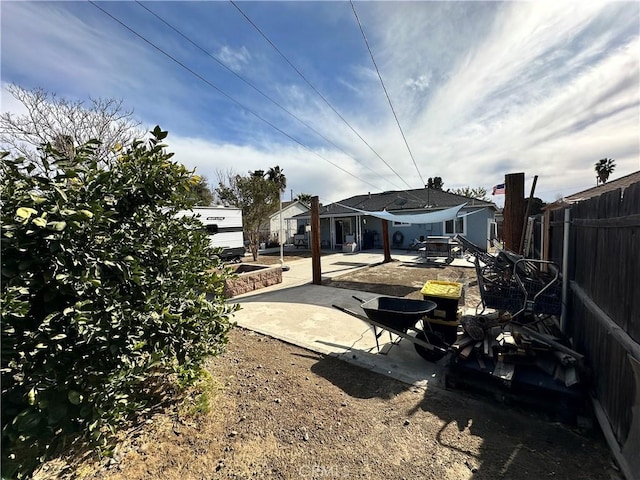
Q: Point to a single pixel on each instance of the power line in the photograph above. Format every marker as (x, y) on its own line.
(385, 91)
(249, 83)
(316, 90)
(222, 92)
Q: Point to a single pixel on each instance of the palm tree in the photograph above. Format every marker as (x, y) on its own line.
(435, 183)
(304, 198)
(275, 175)
(604, 168)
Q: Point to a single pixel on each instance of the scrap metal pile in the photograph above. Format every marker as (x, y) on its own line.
(519, 285)
(519, 346)
(499, 344)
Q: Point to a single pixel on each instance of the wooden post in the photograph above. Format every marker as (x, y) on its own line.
(526, 214)
(385, 241)
(547, 235)
(514, 206)
(315, 241)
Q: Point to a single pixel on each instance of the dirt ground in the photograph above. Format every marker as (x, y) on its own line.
(282, 412)
(402, 279)
(406, 279)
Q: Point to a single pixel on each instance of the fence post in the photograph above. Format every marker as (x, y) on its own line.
(565, 269)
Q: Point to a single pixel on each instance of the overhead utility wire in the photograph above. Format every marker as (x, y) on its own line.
(213, 57)
(222, 92)
(316, 90)
(385, 91)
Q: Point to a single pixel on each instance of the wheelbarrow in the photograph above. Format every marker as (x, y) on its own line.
(399, 316)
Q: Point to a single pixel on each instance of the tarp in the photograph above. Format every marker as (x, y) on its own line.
(418, 218)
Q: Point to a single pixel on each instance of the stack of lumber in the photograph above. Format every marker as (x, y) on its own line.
(508, 344)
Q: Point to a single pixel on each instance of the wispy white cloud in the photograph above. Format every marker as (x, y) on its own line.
(305, 171)
(235, 59)
(420, 83)
(530, 94)
(76, 51)
(79, 56)
(481, 89)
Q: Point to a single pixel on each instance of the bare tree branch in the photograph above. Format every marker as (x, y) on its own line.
(65, 124)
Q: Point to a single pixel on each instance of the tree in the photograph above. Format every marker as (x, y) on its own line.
(304, 198)
(66, 125)
(257, 194)
(537, 204)
(201, 191)
(275, 175)
(604, 167)
(435, 183)
(108, 300)
(477, 192)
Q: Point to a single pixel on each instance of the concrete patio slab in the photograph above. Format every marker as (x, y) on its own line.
(301, 313)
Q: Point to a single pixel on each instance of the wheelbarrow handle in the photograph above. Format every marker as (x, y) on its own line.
(375, 324)
(351, 312)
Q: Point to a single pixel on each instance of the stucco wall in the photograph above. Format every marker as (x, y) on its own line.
(477, 227)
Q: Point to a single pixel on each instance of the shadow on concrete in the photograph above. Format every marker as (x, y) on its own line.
(348, 348)
(307, 294)
(424, 265)
(375, 288)
(352, 264)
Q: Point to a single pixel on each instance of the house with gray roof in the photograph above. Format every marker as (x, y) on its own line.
(621, 183)
(340, 223)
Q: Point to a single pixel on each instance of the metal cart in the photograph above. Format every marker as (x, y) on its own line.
(513, 283)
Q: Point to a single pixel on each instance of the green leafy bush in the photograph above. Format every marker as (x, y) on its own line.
(104, 293)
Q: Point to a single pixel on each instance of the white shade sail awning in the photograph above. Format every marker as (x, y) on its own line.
(417, 218)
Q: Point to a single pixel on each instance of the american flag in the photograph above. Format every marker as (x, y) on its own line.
(498, 189)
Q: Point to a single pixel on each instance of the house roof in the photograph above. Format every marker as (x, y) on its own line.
(288, 205)
(421, 199)
(622, 183)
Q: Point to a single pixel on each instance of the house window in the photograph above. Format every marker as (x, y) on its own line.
(457, 225)
(401, 224)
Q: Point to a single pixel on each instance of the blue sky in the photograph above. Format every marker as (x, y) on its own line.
(480, 89)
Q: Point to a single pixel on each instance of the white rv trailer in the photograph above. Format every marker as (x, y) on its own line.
(224, 226)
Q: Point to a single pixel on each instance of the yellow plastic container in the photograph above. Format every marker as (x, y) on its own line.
(441, 289)
(446, 295)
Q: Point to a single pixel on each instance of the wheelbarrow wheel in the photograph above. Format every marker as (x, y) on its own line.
(435, 340)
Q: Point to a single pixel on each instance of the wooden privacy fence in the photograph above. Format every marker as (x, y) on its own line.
(604, 309)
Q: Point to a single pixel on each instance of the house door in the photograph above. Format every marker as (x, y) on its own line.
(492, 233)
(339, 236)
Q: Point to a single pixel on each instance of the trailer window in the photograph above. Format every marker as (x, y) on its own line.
(211, 229)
